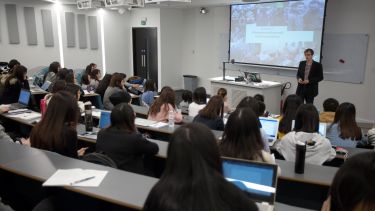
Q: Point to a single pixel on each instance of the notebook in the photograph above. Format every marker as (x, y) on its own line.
(257, 179)
(23, 100)
(271, 126)
(105, 119)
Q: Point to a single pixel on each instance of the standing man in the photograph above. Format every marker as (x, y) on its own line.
(310, 73)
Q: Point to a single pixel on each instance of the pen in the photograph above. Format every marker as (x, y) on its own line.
(82, 180)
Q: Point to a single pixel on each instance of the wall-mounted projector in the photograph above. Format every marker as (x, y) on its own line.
(166, 1)
(122, 3)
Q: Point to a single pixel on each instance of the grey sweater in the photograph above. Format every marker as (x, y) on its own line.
(108, 93)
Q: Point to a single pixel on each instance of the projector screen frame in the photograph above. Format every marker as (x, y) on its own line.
(267, 65)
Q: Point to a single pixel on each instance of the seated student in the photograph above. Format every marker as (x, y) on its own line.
(149, 93)
(352, 188)
(70, 77)
(242, 138)
(61, 75)
(330, 106)
(90, 67)
(259, 97)
(344, 131)
(223, 93)
(120, 97)
(289, 109)
(159, 110)
(85, 82)
(12, 65)
(95, 78)
(51, 75)
(199, 101)
(212, 114)
(250, 102)
(103, 85)
(74, 89)
(187, 98)
(57, 130)
(58, 86)
(306, 130)
(13, 85)
(121, 141)
(193, 176)
(116, 85)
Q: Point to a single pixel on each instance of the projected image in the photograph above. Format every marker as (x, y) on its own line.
(276, 33)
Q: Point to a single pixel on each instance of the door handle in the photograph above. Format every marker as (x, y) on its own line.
(141, 60)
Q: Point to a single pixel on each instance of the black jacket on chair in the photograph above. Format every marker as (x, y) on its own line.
(125, 149)
(315, 76)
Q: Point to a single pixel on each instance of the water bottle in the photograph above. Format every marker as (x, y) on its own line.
(88, 117)
(171, 118)
(299, 165)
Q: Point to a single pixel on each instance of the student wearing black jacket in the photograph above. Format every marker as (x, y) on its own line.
(13, 85)
(212, 114)
(122, 143)
(310, 73)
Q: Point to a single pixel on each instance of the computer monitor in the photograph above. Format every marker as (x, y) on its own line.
(105, 119)
(24, 97)
(257, 179)
(271, 126)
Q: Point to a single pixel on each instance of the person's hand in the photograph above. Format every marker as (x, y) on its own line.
(306, 81)
(25, 141)
(82, 151)
(4, 108)
(327, 205)
(135, 86)
(300, 81)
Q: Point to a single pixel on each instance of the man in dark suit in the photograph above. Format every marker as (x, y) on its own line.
(310, 73)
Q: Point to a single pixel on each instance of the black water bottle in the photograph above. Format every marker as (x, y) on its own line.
(88, 117)
(299, 166)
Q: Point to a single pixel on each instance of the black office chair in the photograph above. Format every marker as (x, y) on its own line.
(100, 159)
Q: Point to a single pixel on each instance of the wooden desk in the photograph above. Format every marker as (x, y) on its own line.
(38, 91)
(90, 94)
(31, 122)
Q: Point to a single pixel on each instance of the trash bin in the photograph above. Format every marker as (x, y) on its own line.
(190, 82)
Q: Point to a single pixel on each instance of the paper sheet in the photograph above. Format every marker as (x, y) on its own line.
(159, 125)
(76, 177)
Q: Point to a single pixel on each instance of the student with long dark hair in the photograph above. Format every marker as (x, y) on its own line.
(121, 141)
(187, 98)
(103, 85)
(291, 104)
(242, 137)
(12, 65)
(159, 110)
(199, 101)
(344, 131)
(223, 93)
(116, 85)
(306, 131)
(51, 75)
(149, 93)
(90, 67)
(193, 176)
(352, 188)
(56, 131)
(95, 78)
(13, 85)
(212, 114)
(85, 82)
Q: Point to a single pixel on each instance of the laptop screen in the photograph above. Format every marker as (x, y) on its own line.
(105, 119)
(271, 126)
(322, 128)
(46, 85)
(24, 97)
(256, 179)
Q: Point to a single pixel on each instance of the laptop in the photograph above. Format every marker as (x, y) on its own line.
(105, 119)
(271, 126)
(46, 85)
(23, 100)
(257, 179)
(322, 128)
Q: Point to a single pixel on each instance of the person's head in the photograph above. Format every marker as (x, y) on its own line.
(61, 75)
(73, 89)
(19, 73)
(289, 110)
(330, 105)
(117, 80)
(13, 64)
(70, 78)
(120, 97)
(167, 96)
(250, 102)
(259, 97)
(58, 86)
(85, 79)
(95, 74)
(307, 119)
(187, 96)
(352, 188)
(90, 67)
(200, 96)
(54, 67)
(150, 85)
(242, 137)
(62, 110)
(309, 53)
(123, 117)
(223, 93)
(345, 117)
(214, 108)
(262, 108)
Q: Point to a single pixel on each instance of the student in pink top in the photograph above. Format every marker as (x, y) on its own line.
(159, 110)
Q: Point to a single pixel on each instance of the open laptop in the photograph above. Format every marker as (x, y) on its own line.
(105, 119)
(257, 179)
(46, 85)
(23, 100)
(271, 126)
(322, 128)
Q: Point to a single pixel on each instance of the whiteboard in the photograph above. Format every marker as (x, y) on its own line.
(344, 57)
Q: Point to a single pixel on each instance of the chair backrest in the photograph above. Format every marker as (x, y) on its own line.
(99, 158)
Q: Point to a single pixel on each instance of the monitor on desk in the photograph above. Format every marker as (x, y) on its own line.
(270, 126)
(105, 119)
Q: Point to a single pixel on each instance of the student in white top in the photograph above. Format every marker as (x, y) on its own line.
(318, 148)
(199, 101)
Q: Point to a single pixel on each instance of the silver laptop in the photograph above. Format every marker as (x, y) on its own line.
(271, 126)
(257, 179)
(322, 128)
(23, 100)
